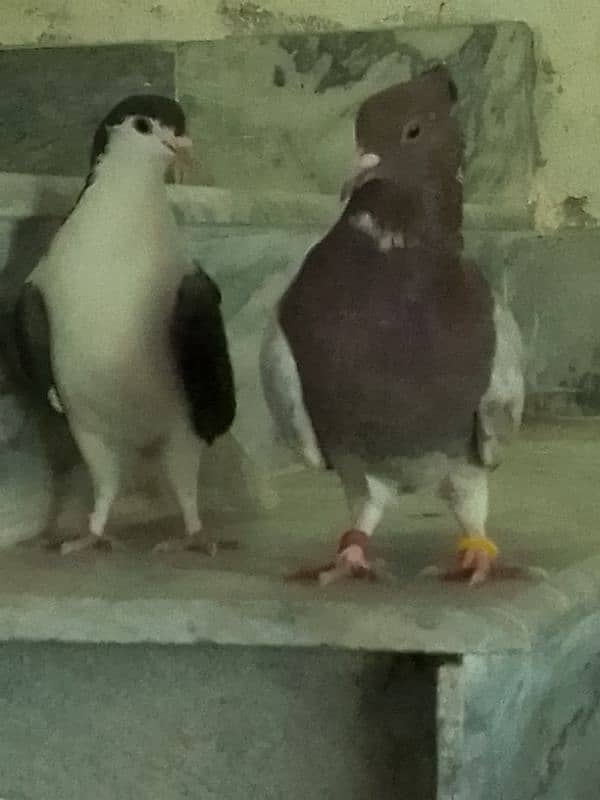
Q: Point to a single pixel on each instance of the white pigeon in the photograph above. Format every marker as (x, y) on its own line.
(121, 331)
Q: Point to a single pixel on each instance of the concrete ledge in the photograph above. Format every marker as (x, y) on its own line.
(543, 511)
(234, 609)
(23, 196)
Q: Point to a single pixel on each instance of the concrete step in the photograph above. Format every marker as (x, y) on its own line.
(131, 675)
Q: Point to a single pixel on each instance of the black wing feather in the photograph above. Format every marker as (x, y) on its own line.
(199, 345)
(32, 339)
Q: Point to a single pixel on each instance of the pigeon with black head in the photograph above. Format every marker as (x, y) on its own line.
(121, 330)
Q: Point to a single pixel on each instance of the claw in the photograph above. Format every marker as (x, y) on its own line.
(351, 562)
(478, 562)
(474, 565)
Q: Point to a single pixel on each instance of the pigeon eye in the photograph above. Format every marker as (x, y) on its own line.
(142, 125)
(411, 131)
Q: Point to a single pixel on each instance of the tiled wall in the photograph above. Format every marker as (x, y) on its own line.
(276, 112)
(52, 100)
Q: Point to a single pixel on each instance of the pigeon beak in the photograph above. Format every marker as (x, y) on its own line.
(181, 146)
(365, 163)
(176, 143)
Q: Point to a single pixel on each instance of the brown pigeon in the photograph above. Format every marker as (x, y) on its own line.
(389, 359)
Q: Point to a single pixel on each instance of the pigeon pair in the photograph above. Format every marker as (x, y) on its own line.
(388, 359)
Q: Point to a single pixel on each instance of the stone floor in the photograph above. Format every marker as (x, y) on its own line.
(490, 693)
(543, 514)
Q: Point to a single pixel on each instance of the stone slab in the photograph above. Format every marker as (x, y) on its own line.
(53, 100)
(276, 112)
(531, 723)
(553, 286)
(165, 723)
(543, 513)
(26, 195)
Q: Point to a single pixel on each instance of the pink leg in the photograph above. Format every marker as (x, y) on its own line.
(351, 562)
(474, 565)
(367, 497)
(467, 492)
(477, 566)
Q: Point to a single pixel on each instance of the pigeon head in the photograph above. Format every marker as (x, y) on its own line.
(143, 127)
(407, 132)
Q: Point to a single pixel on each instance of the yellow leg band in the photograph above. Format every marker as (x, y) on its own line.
(477, 543)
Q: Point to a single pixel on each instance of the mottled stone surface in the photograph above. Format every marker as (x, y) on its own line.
(532, 723)
(553, 285)
(450, 714)
(23, 196)
(53, 100)
(544, 489)
(213, 722)
(124, 723)
(277, 112)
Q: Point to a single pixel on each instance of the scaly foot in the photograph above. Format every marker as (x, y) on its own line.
(351, 562)
(478, 562)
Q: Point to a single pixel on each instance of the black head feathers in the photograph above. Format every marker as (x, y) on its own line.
(153, 106)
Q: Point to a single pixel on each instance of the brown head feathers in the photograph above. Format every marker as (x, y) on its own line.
(410, 152)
